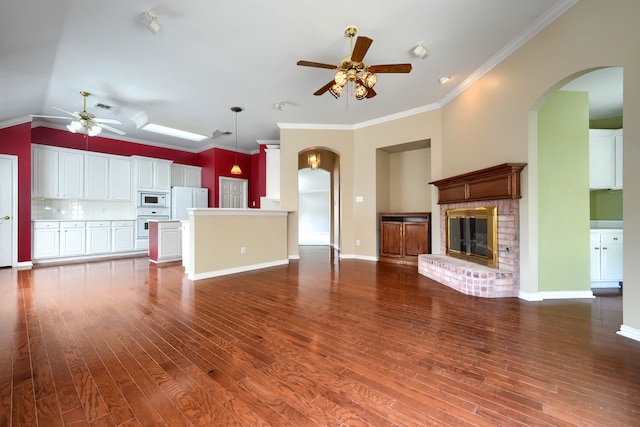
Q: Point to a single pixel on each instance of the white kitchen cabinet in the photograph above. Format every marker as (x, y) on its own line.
(122, 236)
(98, 237)
(605, 159)
(186, 176)
(606, 258)
(273, 171)
(72, 238)
(96, 177)
(120, 178)
(44, 168)
(46, 239)
(165, 243)
(152, 174)
(71, 174)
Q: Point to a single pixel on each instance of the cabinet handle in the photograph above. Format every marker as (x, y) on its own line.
(596, 248)
(604, 249)
(615, 238)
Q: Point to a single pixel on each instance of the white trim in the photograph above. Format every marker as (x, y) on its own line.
(629, 332)
(234, 212)
(399, 115)
(530, 296)
(360, 257)
(234, 270)
(294, 256)
(25, 265)
(15, 122)
(566, 295)
(314, 126)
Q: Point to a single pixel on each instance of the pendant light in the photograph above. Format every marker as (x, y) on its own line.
(235, 170)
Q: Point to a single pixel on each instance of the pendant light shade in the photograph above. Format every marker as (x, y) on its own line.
(235, 170)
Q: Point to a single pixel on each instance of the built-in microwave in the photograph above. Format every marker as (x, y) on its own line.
(155, 200)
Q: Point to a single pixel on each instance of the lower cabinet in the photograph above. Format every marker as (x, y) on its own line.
(165, 243)
(606, 258)
(404, 236)
(81, 239)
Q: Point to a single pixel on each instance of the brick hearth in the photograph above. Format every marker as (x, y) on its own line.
(475, 279)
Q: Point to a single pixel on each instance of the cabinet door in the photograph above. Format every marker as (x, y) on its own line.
(601, 160)
(177, 175)
(595, 252)
(99, 239)
(96, 174)
(416, 238)
(144, 174)
(72, 241)
(71, 175)
(611, 260)
(192, 176)
(162, 171)
(169, 244)
(119, 179)
(618, 161)
(44, 172)
(46, 243)
(122, 239)
(391, 238)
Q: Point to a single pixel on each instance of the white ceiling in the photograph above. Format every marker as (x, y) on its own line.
(209, 56)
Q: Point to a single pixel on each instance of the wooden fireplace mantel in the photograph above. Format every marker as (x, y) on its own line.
(496, 182)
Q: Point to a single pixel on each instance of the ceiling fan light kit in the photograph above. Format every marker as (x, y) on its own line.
(352, 69)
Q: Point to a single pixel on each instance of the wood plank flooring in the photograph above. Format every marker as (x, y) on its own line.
(320, 342)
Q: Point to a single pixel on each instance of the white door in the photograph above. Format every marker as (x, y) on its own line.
(233, 193)
(7, 214)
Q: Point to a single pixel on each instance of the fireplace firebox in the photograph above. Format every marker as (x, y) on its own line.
(472, 234)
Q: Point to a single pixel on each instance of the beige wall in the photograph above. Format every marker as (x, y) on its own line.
(492, 122)
(218, 239)
(410, 173)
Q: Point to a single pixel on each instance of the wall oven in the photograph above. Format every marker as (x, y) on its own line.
(152, 200)
(144, 216)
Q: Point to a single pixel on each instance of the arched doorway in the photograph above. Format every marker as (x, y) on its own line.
(319, 197)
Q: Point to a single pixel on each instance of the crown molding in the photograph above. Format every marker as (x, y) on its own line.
(514, 45)
(396, 116)
(15, 122)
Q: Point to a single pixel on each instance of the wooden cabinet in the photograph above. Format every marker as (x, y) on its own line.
(404, 236)
(186, 176)
(606, 258)
(605, 158)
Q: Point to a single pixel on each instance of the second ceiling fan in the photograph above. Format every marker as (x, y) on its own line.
(352, 69)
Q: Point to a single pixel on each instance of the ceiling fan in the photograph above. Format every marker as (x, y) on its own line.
(352, 69)
(85, 120)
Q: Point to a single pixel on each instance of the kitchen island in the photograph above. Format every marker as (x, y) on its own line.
(218, 241)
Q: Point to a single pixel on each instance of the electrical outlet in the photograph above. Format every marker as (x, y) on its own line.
(243, 250)
(357, 242)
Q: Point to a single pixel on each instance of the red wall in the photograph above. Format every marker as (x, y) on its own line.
(217, 162)
(77, 141)
(16, 140)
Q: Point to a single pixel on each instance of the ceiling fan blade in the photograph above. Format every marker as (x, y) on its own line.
(361, 48)
(110, 129)
(316, 64)
(49, 117)
(110, 121)
(370, 93)
(324, 88)
(390, 68)
(73, 115)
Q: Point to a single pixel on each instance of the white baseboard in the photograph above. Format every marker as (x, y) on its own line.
(242, 269)
(24, 265)
(294, 256)
(540, 296)
(362, 257)
(629, 332)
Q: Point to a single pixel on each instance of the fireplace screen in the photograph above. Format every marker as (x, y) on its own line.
(472, 234)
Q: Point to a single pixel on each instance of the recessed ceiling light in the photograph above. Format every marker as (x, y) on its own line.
(444, 79)
(178, 133)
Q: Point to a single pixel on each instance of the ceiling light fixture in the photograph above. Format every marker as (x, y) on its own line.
(150, 20)
(444, 79)
(353, 71)
(235, 170)
(314, 161)
(421, 51)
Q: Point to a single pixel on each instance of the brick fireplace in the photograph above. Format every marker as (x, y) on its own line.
(497, 186)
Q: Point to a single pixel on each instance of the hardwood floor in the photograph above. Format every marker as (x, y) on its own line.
(318, 342)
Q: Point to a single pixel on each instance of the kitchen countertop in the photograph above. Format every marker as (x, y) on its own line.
(81, 220)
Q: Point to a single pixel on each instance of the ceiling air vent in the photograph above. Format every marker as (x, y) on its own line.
(103, 106)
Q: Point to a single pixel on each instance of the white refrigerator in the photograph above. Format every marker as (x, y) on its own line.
(183, 198)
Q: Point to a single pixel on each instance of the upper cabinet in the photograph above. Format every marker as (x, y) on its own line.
(107, 177)
(152, 174)
(605, 158)
(57, 173)
(186, 176)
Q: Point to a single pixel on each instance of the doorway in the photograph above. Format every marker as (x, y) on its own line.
(314, 202)
(8, 210)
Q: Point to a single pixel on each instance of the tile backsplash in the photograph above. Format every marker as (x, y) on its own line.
(68, 209)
